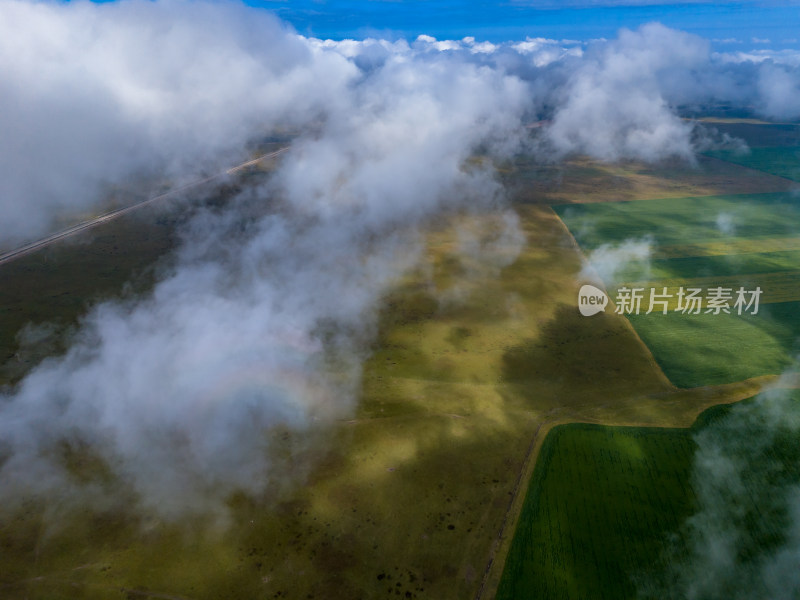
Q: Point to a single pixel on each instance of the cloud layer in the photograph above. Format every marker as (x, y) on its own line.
(94, 95)
(266, 313)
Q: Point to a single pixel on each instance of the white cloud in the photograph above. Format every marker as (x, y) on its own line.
(743, 540)
(726, 223)
(606, 262)
(779, 91)
(613, 105)
(261, 321)
(95, 93)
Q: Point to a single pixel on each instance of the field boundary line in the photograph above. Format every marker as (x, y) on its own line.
(648, 353)
(733, 392)
(502, 543)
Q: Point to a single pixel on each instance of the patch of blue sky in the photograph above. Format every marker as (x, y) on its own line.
(730, 25)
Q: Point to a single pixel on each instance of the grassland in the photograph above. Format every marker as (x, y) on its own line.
(56, 286)
(581, 180)
(417, 494)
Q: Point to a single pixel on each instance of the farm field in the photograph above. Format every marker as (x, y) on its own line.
(582, 180)
(732, 241)
(772, 147)
(783, 161)
(606, 505)
(603, 502)
(599, 507)
(756, 133)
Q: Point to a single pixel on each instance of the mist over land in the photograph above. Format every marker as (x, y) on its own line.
(262, 317)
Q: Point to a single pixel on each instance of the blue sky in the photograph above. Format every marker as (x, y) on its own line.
(778, 22)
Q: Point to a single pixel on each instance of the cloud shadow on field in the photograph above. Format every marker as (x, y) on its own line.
(583, 356)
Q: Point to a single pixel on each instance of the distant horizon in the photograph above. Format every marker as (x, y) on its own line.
(730, 26)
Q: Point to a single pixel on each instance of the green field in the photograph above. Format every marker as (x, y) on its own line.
(710, 349)
(772, 147)
(684, 221)
(605, 512)
(755, 246)
(599, 506)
